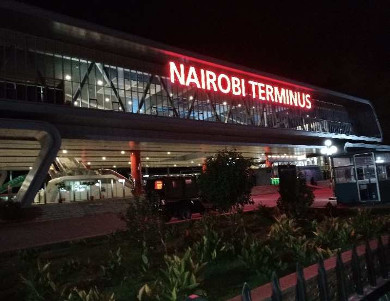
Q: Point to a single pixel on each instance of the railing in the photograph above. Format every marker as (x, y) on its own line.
(352, 278)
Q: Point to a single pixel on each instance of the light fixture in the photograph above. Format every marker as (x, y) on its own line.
(239, 105)
(328, 149)
(88, 163)
(198, 164)
(147, 165)
(253, 107)
(170, 94)
(130, 102)
(75, 103)
(114, 166)
(103, 158)
(107, 99)
(64, 151)
(224, 103)
(379, 160)
(147, 158)
(68, 77)
(168, 153)
(208, 100)
(122, 152)
(129, 163)
(191, 97)
(174, 165)
(192, 162)
(100, 82)
(30, 167)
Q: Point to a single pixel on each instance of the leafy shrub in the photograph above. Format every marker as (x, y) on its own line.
(10, 210)
(259, 257)
(295, 197)
(39, 284)
(226, 182)
(180, 278)
(70, 266)
(113, 268)
(287, 239)
(333, 233)
(145, 264)
(367, 225)
(210, 245)
(265, 212)
(92, 295)
(144, 222)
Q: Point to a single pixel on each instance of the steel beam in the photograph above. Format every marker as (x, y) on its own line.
(106, 77)
(141, 103)
(49, 139)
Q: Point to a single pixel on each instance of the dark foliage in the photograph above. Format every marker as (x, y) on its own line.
(226, 182)
(10, 210)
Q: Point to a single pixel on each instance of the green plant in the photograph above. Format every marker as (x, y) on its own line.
(40, 285)
(226, 182)
(259, 257)
(180, 278)
(288, 241)
(113, 267)
(210, 244)
(10, 210)
(265, 212)
(144, 222)
(367, 225)
(333, 233)
(70, 266)
(295, 197)
(92, 295)
(145, 264)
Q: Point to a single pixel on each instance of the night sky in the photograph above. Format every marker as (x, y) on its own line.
(342, 47)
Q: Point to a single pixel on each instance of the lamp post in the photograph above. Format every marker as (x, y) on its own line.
(328, 150)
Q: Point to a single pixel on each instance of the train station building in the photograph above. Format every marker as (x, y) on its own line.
(80, 103)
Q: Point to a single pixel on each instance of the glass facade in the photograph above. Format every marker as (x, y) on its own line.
(41, 70)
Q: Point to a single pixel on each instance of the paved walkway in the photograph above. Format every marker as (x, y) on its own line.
(14, 236)
(32, 234)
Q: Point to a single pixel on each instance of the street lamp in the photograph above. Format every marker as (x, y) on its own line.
(329, 150)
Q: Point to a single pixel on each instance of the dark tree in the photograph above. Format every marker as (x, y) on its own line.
(226, 182)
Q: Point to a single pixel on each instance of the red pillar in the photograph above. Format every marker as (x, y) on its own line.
(204, 166)
(135, 159)
(268, 163)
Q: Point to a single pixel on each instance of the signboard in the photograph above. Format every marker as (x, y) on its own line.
(233, 85)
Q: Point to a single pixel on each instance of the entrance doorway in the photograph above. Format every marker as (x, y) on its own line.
(366, 177)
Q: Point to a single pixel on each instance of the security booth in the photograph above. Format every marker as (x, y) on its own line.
(362, 177)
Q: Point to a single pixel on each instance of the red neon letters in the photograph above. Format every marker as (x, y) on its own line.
(226, 84)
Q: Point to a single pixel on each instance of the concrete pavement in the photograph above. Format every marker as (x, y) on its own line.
(14, 236)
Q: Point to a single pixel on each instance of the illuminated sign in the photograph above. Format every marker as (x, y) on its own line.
(237, 86)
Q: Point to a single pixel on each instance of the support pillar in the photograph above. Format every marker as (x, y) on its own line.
(204, 166)
(267, 161)
(135, 159)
